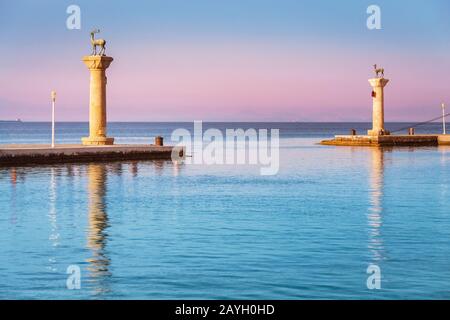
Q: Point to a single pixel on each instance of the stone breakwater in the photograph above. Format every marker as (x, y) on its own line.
(388, 140)
(11, 155)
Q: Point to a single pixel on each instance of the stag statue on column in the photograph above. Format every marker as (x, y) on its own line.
(378, 71)
(97, 42)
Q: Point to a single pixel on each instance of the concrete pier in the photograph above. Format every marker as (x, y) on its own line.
(12, 155)
(389, 141)
(378, 136)
(444, 139)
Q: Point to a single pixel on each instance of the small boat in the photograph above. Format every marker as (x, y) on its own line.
(18, 120)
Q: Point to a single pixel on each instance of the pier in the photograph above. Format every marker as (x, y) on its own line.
(388, 140)
(378, 136)
(97, 147)
(12, 155)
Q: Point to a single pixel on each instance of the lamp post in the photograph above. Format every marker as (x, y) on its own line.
(443, 118)
(53, 95)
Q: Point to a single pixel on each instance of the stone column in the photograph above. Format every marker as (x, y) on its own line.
(378, 85)
(97, 101)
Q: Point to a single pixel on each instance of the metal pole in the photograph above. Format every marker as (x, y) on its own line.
(53, 94)
(443, 118)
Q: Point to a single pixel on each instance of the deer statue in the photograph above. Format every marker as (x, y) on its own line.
(97, 42)
(378, 71)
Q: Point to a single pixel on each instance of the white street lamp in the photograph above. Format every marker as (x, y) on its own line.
(53, 95)
(443, 118)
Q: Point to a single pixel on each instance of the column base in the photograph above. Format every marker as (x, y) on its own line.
(97, 141)
(380, 132)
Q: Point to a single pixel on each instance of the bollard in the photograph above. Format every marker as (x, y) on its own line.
(353, 132)
(159, 141)
(411, 131)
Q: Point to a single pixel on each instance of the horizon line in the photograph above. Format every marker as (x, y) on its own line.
(209, 121)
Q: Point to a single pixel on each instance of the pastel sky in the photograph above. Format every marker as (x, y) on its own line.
(227, 60)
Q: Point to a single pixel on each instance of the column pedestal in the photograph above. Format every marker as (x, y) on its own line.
(378, 85)
(97, 101)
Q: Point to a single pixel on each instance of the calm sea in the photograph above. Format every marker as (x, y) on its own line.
(159, 230)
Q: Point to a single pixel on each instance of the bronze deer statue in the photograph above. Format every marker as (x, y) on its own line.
(378, 71)
(97, 42)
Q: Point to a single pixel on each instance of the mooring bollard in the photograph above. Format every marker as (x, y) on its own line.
(159, 141)
(353, 132)
(411, 131)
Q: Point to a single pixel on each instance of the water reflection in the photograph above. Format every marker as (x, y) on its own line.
(13, 176)
(134, 169)
(445, 183)
(176, 168)
(52, 217)
(159, 166)
(375, 214)
(99, 261)
(70, 170)
(16, 176)
(13, 179)
(116, 168)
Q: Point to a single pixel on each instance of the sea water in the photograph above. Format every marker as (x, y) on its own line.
(163, 230)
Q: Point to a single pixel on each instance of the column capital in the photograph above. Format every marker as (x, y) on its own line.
(97, 62)
(378, 82)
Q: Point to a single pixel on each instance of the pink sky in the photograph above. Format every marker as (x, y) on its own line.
(230, 81)
(227, 60)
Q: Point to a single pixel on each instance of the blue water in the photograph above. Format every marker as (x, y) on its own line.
(142, 132)
(159, 230)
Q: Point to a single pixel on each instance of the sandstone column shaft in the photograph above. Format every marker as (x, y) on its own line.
(97, 104)
(97, 101)
(378, 85)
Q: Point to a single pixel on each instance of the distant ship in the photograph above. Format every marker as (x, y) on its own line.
(17, 120)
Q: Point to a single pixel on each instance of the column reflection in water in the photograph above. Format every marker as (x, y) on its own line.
(444, 188)
(134, 169)
(159, 166)
(99, 261)
(375, 215)
(176, 168)
(13, 177)
(17, 177)
(52, 217)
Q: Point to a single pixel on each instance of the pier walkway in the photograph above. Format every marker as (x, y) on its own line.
(389, 140)
(26, 154)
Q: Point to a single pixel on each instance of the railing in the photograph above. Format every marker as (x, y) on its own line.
(421, 123)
